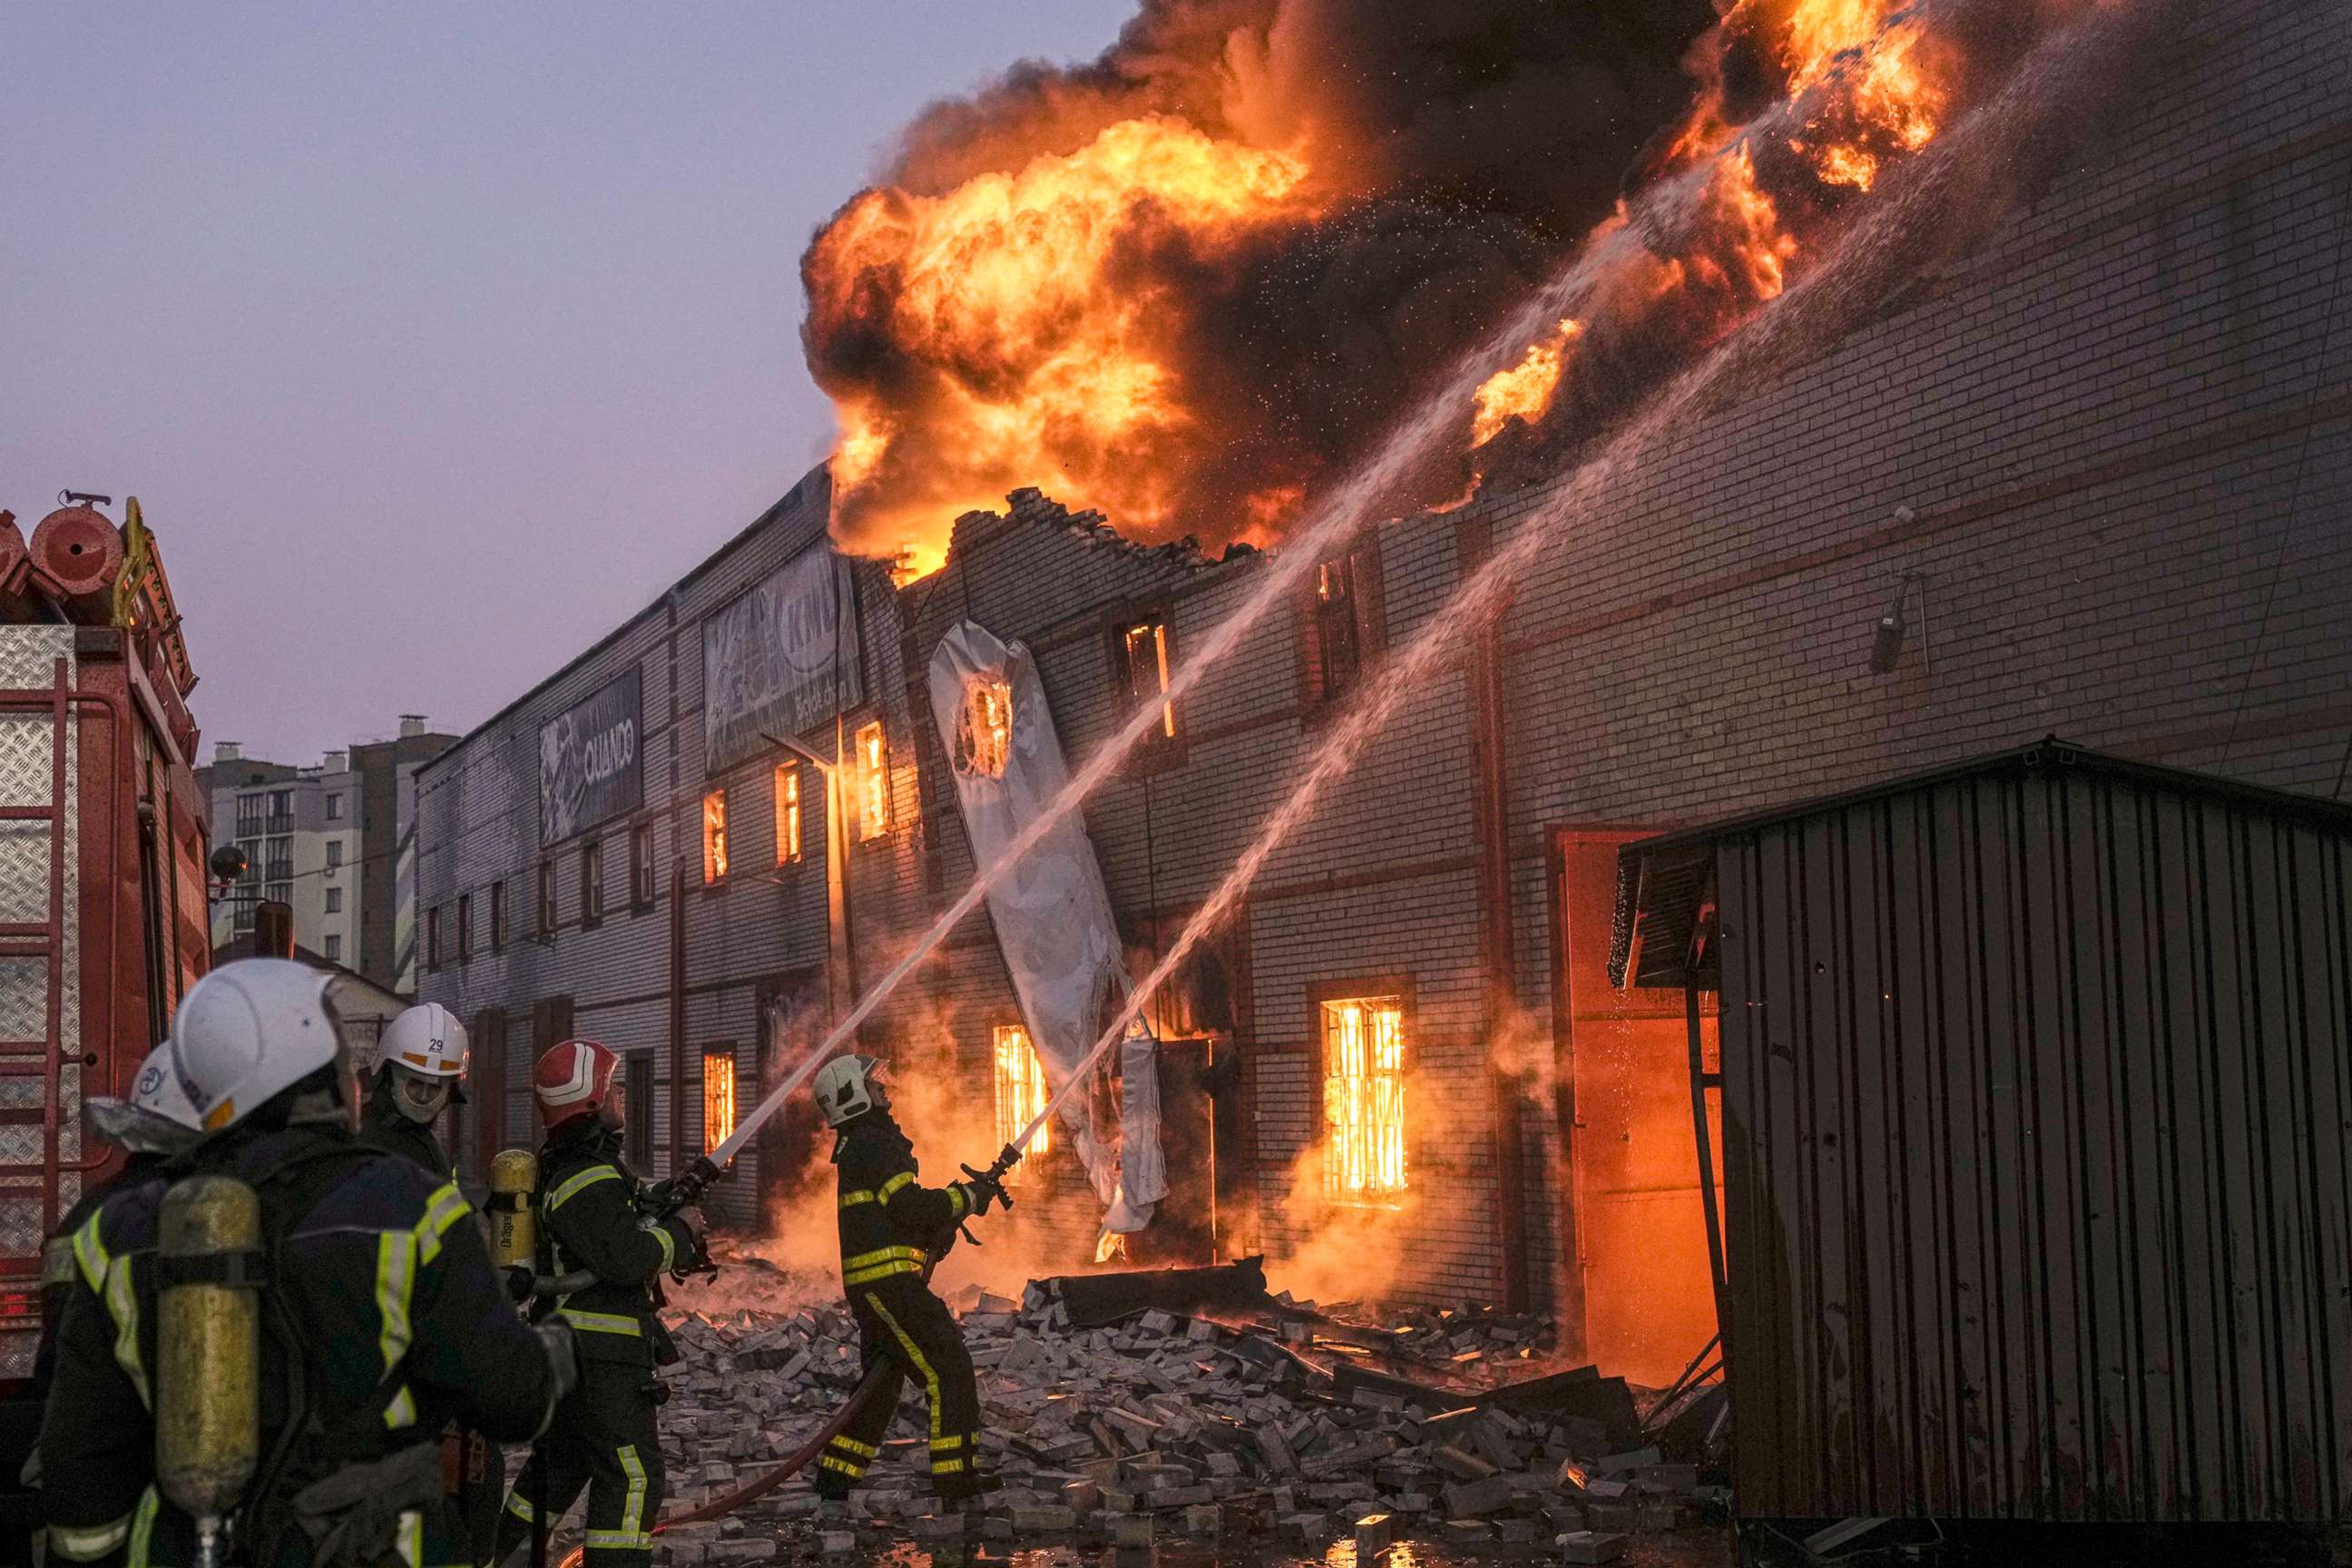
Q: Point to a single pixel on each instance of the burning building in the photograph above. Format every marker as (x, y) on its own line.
(2083, 464)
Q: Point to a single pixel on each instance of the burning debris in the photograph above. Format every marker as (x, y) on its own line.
(1260, 1419)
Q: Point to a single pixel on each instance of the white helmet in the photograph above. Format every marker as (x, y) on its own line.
(426, 1049)
(157, 1118)
(848, 1087)
(250, 1030)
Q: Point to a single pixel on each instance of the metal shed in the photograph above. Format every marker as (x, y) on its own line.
(2036, 1096)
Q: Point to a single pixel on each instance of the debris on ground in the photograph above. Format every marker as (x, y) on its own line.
(1295, 1425)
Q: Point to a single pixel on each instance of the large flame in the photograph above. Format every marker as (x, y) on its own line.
(1014, 281)
(1187, 283)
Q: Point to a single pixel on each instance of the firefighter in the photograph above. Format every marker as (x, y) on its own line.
(154, 1124)
(380, 1320)
(891, 1228)
(423, 1073)
(596, 1232)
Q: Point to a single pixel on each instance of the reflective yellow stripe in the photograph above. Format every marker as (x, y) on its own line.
(402, 1411)
(633, 1512)
(408, 1538)
(884, 1255)
(396, 1283)
(953, 1440)
(587, 1178)
(945, 1467)
(914, 1354)
(519, 1506)
(620, 1540)
(668, 1245)
(448, 1207)
(90, 1542)
(601, 1322)
(862, 1450)
(894, 1183)
(849, 1467)
(89, 1252)
(143, 1529)
(862, 1196)
(958, 1206)
(880, 1271)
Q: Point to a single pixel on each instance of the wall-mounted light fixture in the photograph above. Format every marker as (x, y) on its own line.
(1888, 636)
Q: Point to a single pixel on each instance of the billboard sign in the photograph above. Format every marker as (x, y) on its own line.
(780, 657)
(591, 761)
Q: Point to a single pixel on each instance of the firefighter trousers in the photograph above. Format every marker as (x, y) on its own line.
(909, 1331)
(604, 1437)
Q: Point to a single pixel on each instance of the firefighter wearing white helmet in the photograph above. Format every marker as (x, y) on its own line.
(381, 1318)
(423, 1073)
(891, 1228)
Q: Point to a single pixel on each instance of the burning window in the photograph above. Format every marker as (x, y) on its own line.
(1337, 651)
(1021, 1090)
(714, 836)
(984, 737)
(1363, 1098)
(717, 1097)
(788, 813)
(1143, 669)
(873, 782)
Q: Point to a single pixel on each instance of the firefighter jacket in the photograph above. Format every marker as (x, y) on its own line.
(589, 1217)
(381, 1320)
(889, 1222)
(58, 1271)
(383, 1125)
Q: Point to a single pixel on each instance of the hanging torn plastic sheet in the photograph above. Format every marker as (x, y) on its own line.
(1052, 914)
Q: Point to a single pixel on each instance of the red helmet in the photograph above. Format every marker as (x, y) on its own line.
(572, 1079)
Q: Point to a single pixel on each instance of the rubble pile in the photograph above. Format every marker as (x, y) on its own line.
(1303, 1429)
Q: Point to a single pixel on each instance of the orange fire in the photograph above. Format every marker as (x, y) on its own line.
(1523, 391)
(1011, 280)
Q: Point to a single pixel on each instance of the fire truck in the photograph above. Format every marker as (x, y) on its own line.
(104, 865)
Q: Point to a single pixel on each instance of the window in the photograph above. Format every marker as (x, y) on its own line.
(641, 866)
(498, 916)
(241, 908)
(1339, 656)
(335, 806)
(984, 731)
(248, 815)
(334, 853)
(1019, 1091)
(788, 813)
(281, 811)
(714, 836)
(1140, 658)
(591, 881)
(717, 1096)
(1363, 1098)
(638, 1143)
(465, 927)
(433, 938)
(547, 898)
(334, 949)
(279, 861)
(873, 782)
(334, 900)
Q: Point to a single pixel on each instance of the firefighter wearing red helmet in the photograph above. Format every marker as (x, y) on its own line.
(591, 1223)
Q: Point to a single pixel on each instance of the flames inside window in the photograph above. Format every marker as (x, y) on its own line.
(983, 739)
(1146, 644)
(873, 782)
(788, 813)
(1363, 1098)
(714, 836)
(717, 1098)
(1021, 1091)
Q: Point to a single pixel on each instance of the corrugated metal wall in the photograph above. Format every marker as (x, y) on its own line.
(2036, 1107)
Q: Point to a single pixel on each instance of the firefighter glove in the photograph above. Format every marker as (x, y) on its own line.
(978, 1196)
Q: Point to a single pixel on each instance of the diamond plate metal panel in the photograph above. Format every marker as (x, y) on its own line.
(29, 658)
(16, 1352)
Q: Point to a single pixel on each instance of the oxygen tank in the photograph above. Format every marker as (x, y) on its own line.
(514, 1238)
(208, 1347)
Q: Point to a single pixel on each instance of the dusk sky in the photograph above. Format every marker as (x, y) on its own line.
(436, 339)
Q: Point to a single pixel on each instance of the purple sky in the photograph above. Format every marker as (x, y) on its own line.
(436, 339)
